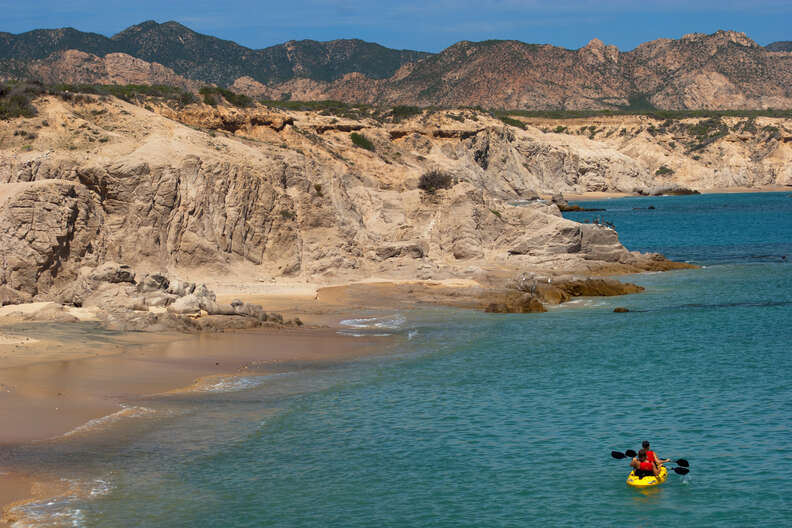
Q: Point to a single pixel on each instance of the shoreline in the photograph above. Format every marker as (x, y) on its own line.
(54, 400)
(57, 385)
(606, 195)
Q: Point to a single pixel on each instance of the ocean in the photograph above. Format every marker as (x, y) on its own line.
(473, 419)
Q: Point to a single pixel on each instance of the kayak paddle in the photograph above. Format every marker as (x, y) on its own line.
(630, 453)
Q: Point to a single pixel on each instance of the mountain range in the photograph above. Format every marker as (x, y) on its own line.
(724, 70)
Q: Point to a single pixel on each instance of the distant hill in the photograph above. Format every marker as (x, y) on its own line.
(780, 46)
(213, 60)
(724, 70)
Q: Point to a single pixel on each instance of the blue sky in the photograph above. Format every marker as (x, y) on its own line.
(417, 24)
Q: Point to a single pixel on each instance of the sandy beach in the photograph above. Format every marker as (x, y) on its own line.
(59, 379)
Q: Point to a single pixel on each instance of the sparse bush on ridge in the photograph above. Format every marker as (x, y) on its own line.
(398, 113)
(434, 180)
(512, 122)
(664, 171)
(211, 96)
(361, 141)
(15, 99)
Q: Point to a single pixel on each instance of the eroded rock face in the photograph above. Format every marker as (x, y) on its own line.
(299, 200)
(45, 227)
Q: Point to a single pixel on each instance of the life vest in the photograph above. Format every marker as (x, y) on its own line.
(650, 456)
(646, 466)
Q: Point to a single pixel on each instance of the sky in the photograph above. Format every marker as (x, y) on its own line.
(425, 25)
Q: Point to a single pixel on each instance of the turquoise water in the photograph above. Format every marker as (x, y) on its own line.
(473, 419)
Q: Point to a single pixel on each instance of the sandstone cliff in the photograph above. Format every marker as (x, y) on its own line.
(261, 194)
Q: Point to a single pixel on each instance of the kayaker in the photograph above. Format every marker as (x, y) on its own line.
(642, 466)
(652, 457)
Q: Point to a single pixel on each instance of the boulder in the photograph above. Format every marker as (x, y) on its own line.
(180, 288)
(213, 308)
(189, 304)
(153, 282)
(590, 287)
(516, 303)
(401, 249)
(12, 296)
(251, 310)
(159, 299)
(113, 272)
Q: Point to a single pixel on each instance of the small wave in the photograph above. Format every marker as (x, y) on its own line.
(358, 323)
(105, 421)
(232, 383)
(63, 509)
(411, 334)
(360, 334)
(391, 322)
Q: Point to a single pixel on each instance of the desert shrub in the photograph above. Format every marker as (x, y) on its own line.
(288, 214)
(664, 171)
(359, 140)
(127, 92)
(399, 113)
(327, 107)
(15, 99)
(433, 180)
(187, 98)
(212, 94)
(209, 96)
(512, 122)
(240, 100)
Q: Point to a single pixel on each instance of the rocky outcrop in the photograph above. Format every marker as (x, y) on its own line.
(286, 201)
(530, 293)
(45, 226)
(77, 67)
(158, 302)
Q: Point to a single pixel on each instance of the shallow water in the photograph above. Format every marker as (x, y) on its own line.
(493, 420)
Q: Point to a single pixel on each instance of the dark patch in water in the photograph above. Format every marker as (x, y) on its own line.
(756, 304)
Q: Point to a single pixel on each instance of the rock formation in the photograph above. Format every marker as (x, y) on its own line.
(261, 194)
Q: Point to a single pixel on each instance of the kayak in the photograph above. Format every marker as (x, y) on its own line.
(645, 482)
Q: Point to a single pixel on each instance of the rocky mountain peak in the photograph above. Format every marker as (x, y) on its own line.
(595, 43)
(721, 38)
(148, 25)
(602, 53)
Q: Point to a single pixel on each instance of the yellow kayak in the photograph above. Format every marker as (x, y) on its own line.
(645, 482)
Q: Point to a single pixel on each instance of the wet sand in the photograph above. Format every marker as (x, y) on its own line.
(58, 385)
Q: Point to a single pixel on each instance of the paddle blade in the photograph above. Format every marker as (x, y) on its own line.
(682, 462)
(681, 471)
(617, 455)
(630, 453)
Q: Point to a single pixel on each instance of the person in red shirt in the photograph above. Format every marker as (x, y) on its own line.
(642, 466)
(652, 457)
